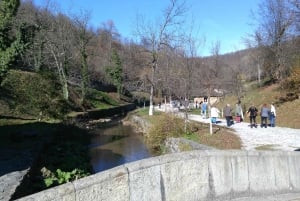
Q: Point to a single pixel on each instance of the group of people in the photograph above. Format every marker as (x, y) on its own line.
(265, 113)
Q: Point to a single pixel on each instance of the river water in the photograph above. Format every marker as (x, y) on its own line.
(115, 145)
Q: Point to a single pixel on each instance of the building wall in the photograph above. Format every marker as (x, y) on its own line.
(213, 99)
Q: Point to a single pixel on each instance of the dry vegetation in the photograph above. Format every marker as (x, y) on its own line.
(167, 125)
(224, 139)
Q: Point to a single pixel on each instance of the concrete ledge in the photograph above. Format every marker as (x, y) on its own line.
(109, 185)
(63, 192)
(196, 175)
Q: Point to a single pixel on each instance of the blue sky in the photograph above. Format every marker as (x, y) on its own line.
(226, 21)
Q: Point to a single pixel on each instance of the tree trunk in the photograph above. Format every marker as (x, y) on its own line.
(151, 101)
(62, 76)
(151, 108)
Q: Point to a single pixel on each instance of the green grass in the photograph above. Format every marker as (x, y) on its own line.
(144, 113)
(192, 136)
(195, 111)
(27, 95)
(101, 100)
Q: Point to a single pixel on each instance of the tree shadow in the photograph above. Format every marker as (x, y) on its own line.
(58, 146)
(20, 145)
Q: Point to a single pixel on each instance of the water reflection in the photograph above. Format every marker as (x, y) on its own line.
(116, 145)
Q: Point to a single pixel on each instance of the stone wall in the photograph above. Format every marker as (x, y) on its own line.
(139, 123)
(190, 176)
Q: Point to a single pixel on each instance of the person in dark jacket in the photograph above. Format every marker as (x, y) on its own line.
(228, 114)
(252, 112)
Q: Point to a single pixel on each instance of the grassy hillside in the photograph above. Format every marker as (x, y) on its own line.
(288, 112)
(32, 96)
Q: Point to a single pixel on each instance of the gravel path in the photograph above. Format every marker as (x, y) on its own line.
(278, 138)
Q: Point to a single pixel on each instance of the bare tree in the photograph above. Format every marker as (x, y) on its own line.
(83, 36)
(53, 42)
(211, 76)
(295, 13)
(59, 43)
(275, 21)
(101, 48)
(155, 36)
(257, 50)
(188, 56)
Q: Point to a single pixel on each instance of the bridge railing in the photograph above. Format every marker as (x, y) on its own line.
(195, 175)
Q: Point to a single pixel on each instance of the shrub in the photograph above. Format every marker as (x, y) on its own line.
(164, 126)
(293, 81)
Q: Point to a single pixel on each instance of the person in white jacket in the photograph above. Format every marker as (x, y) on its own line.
(272, 115)
(214, 113)
(239, 111)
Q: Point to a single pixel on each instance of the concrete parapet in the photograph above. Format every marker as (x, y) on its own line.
(191, 176)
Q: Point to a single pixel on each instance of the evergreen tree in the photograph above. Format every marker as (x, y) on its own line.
(115, 71)
(11, 45)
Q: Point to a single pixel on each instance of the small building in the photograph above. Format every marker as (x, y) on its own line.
(215, 97)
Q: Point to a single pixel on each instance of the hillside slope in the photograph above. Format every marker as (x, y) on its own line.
(29, 95)
(288, 111)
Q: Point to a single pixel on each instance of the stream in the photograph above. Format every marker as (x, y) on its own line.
(115, 145)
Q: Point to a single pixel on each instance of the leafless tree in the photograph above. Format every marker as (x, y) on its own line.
(256, 54)
(156, 35)
(101, 45)
(295, 12)
(212, 75)
(274, 23)
(53, 42)
(188, 56)
(82, 39)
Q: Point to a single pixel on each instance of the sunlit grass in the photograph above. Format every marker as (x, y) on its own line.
(267, 147)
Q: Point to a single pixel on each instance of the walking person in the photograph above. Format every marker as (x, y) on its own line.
(227, 113)
(264, 113)
(203, 109)
(272, 115)
(239, 112)
(214, 113)
(252, 112)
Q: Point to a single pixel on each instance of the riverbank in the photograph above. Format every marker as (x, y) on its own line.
(23, 149)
